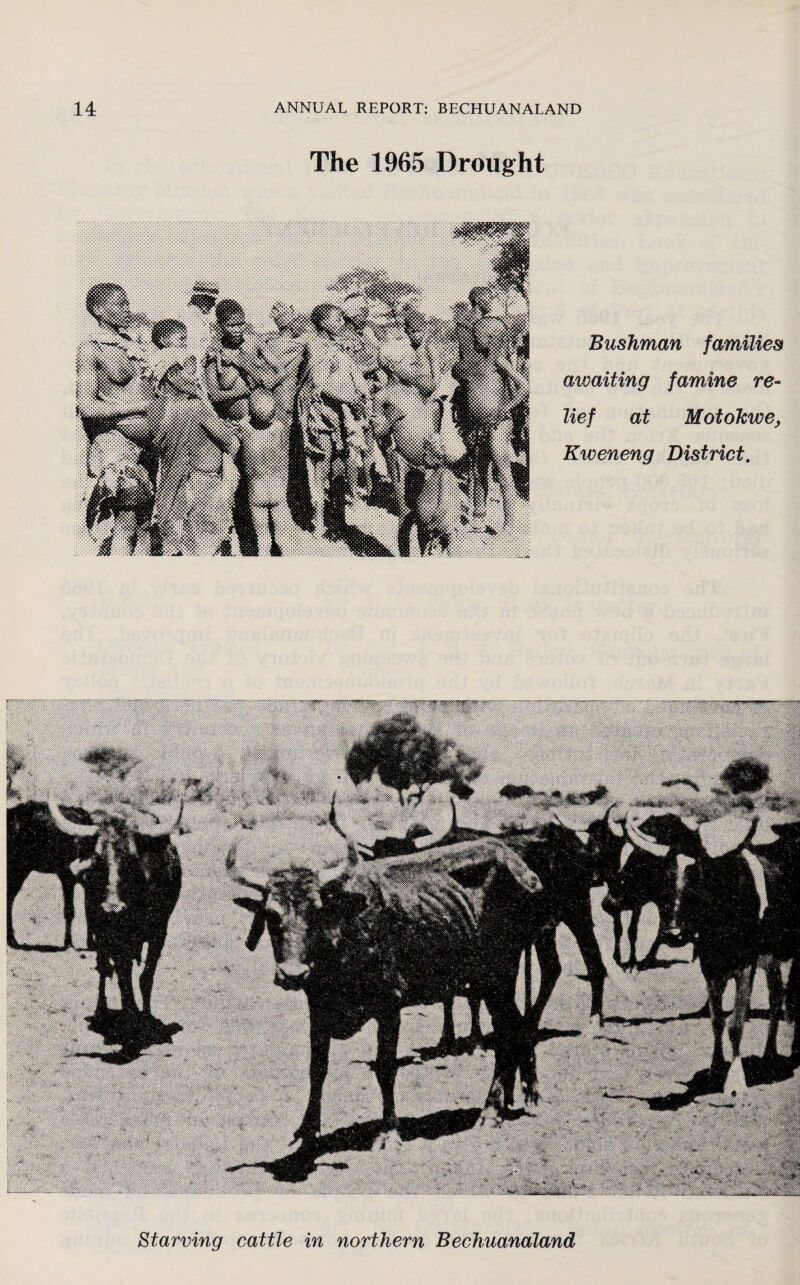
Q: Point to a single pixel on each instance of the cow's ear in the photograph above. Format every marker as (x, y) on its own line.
(252, 904)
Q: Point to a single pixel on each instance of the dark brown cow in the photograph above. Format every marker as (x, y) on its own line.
(35, 845)
(131, 879)
(366, 939)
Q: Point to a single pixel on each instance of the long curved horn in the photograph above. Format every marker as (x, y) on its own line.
(431, 840)
(249, 878)
(333, 818)
(72, 828)
(351, 861)
(643, 841)
(574, 826)
(159, 829)
(363, 841)
(615, 827)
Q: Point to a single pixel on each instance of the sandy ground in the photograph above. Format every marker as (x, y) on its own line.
(370, 532)
(212, 1107)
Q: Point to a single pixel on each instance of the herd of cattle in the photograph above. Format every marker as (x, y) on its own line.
(366, 925)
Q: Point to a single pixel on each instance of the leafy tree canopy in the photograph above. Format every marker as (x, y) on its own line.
(409, 759)
(111, 762)
(512, 260)
(745, 775)
(376, 284)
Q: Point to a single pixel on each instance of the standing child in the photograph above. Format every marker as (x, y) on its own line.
(265, 467)
(192, 507)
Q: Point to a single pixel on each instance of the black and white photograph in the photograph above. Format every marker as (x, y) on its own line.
(451, 947)
(308, 389)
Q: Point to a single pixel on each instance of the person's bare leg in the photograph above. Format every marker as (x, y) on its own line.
(260, 515)
(126, 529)
(502, 454)
(288, 536)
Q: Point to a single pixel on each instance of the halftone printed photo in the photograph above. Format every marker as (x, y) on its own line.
(446, 947)
(340, 389)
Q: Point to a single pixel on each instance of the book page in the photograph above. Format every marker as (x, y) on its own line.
(328, 285)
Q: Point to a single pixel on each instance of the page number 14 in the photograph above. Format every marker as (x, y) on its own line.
(84, 109)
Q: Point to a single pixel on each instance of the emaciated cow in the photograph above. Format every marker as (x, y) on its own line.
(34, 844)
(364, 940)
(131, 880)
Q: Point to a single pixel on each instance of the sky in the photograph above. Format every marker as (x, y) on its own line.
(257, 263)
(566, 745)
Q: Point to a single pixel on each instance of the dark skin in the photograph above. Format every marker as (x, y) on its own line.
(247, 363)
(113, 396)
(110, 388)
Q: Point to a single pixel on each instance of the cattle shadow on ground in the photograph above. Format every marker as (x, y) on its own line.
(133, 1038)
(700, 1014)
(42, 948)
(297, 1166)
(758, 1071)
(464, 1047)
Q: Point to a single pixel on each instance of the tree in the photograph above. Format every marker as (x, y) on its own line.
(108, 761)
(745, 775)
(376, 284)
(409, 759)
(512, 260)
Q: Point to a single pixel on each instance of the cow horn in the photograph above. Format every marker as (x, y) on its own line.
(365, 842)
(430, 840)
(72, 828)
(351, 861)
(643, 841)
(576, 828)
(249, 878)
(79, 866)
(615, 826)
(159, 829)
(333, 818)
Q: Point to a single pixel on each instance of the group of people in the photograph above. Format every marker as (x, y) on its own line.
(206, 438)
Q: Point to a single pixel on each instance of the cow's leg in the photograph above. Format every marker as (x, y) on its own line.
(130, 1009)
(549, 970)
(385, 1071)
(14, 883)
(154, 948)
(581, 926)
(616, 920)
(308, 1129)
(527, 1054)
(716, 990)
(735, 1083)
(508, 1039)
(67, 882)
(793, 1006)
(475, 1037)
(633, 937)
(447, 1039)
(98, 1019)
(775, 989)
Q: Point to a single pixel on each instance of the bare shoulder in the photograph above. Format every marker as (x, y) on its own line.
(88, 352)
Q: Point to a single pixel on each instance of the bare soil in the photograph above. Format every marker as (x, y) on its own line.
(211, 1103)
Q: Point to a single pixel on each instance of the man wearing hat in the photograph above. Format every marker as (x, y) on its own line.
(199, 320)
